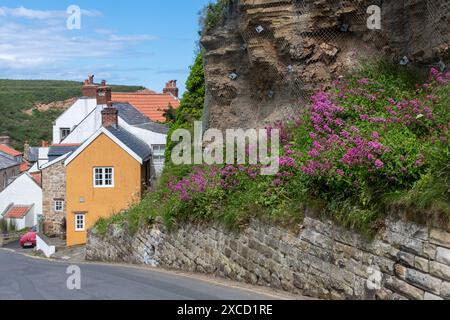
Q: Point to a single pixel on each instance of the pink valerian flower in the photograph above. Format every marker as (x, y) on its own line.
(339, 122)
(373, 145)
(314, 153)
(377, 120)
(439, 77)
(317, 145)
(420, 161)
(200, 180)
(277, 182)
(287, 162)
(364, 117)
(379, 164)
(340, 172)
(311, 168)
(375, 135)
(364, 81)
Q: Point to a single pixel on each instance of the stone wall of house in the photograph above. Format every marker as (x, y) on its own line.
(404, 261)
(53, 188)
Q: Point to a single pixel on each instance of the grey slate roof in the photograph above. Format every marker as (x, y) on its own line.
(135, 118)
(130, 114)
(132, 142)
(155, 127)
(57, 151)
(34, 154)
(6, 163)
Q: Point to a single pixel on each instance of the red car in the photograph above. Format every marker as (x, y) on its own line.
(28, 240)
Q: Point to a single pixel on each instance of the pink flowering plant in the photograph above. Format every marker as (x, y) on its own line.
(371, 139)
(375, 139)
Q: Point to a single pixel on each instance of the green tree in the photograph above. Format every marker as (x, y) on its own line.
(192, 102)
(170, 114)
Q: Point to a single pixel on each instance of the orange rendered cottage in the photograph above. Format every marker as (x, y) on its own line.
(105, 175)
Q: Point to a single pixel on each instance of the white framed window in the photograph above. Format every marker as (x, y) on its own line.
(104, 177)
(80, 222)
(158, 154)
(64, 133)
(59, 205)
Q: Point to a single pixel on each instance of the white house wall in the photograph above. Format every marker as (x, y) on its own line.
(19, 224)
(30, 219)
(22, 191)
(86, 128)
(149, 137)
(73, 116)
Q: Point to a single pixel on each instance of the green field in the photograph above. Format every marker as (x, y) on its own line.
(17, 96)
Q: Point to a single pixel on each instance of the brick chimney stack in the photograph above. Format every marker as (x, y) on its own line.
(110, 116)
(89, 89)
(171, 87)
(103, 94)
(5, 140)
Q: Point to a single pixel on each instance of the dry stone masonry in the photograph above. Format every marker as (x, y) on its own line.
(54, 188)
(404, 261)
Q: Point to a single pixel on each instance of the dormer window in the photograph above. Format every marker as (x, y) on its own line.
(64, 132)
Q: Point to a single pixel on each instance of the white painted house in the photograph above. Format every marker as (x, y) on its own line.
(22, 201)
(96, 98)
(72, 117)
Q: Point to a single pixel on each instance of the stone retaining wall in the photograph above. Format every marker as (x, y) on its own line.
(404, 261)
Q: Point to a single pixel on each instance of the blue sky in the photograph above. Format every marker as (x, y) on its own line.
(136, 42)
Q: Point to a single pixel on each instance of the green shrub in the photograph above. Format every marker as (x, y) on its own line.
(214, 13)
(3, 225)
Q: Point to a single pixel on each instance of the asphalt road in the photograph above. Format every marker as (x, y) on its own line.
(25, 278)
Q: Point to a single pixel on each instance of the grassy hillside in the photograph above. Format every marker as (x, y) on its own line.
(17, 96)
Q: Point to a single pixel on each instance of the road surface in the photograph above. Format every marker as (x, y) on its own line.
(23, 277)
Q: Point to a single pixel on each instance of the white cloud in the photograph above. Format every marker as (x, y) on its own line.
(7, 57)
(22, 12)
(132, 38)
(36, 44)
(39, 44)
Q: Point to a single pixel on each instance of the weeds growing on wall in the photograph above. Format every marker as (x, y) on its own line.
(376, 139)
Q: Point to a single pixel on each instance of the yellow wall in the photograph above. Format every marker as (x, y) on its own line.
(100, 202)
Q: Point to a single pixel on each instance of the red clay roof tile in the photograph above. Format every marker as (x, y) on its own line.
(8, 150)
(24, 166)
(17, 212)
(150, 104)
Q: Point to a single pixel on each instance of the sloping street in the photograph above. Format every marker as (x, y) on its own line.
(22, 277)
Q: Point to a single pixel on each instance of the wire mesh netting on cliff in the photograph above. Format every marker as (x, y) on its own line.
(279, 52)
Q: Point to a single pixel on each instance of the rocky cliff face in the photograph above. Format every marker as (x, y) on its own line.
(266, 57)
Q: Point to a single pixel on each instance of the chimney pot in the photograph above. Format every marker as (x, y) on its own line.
(89, 89)
(110, 116)
(5, 140)
(171, 87)
(104, 94)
